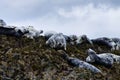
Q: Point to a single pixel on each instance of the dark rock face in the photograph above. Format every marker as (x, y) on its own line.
(35, 61)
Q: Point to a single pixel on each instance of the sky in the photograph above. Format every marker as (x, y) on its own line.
(95, 18)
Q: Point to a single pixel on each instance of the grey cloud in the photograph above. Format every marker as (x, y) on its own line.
(17, 10)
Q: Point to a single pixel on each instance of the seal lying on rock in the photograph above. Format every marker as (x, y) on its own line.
(108, 42)
(105, 42)
(48, 34)
(70, 39)
(57, 41)
(33, 33)
(73, 39)
(117, 42)
(84, 39)
(106, 59)
(2, 23)
(81, 64)
(12, 32)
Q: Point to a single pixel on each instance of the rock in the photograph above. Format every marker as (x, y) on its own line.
(21, 62)
(4, 63)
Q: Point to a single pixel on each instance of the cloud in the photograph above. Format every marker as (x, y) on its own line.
(96, 21)
(29, 9)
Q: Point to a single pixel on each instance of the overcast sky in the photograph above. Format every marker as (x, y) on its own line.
(95, 18)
